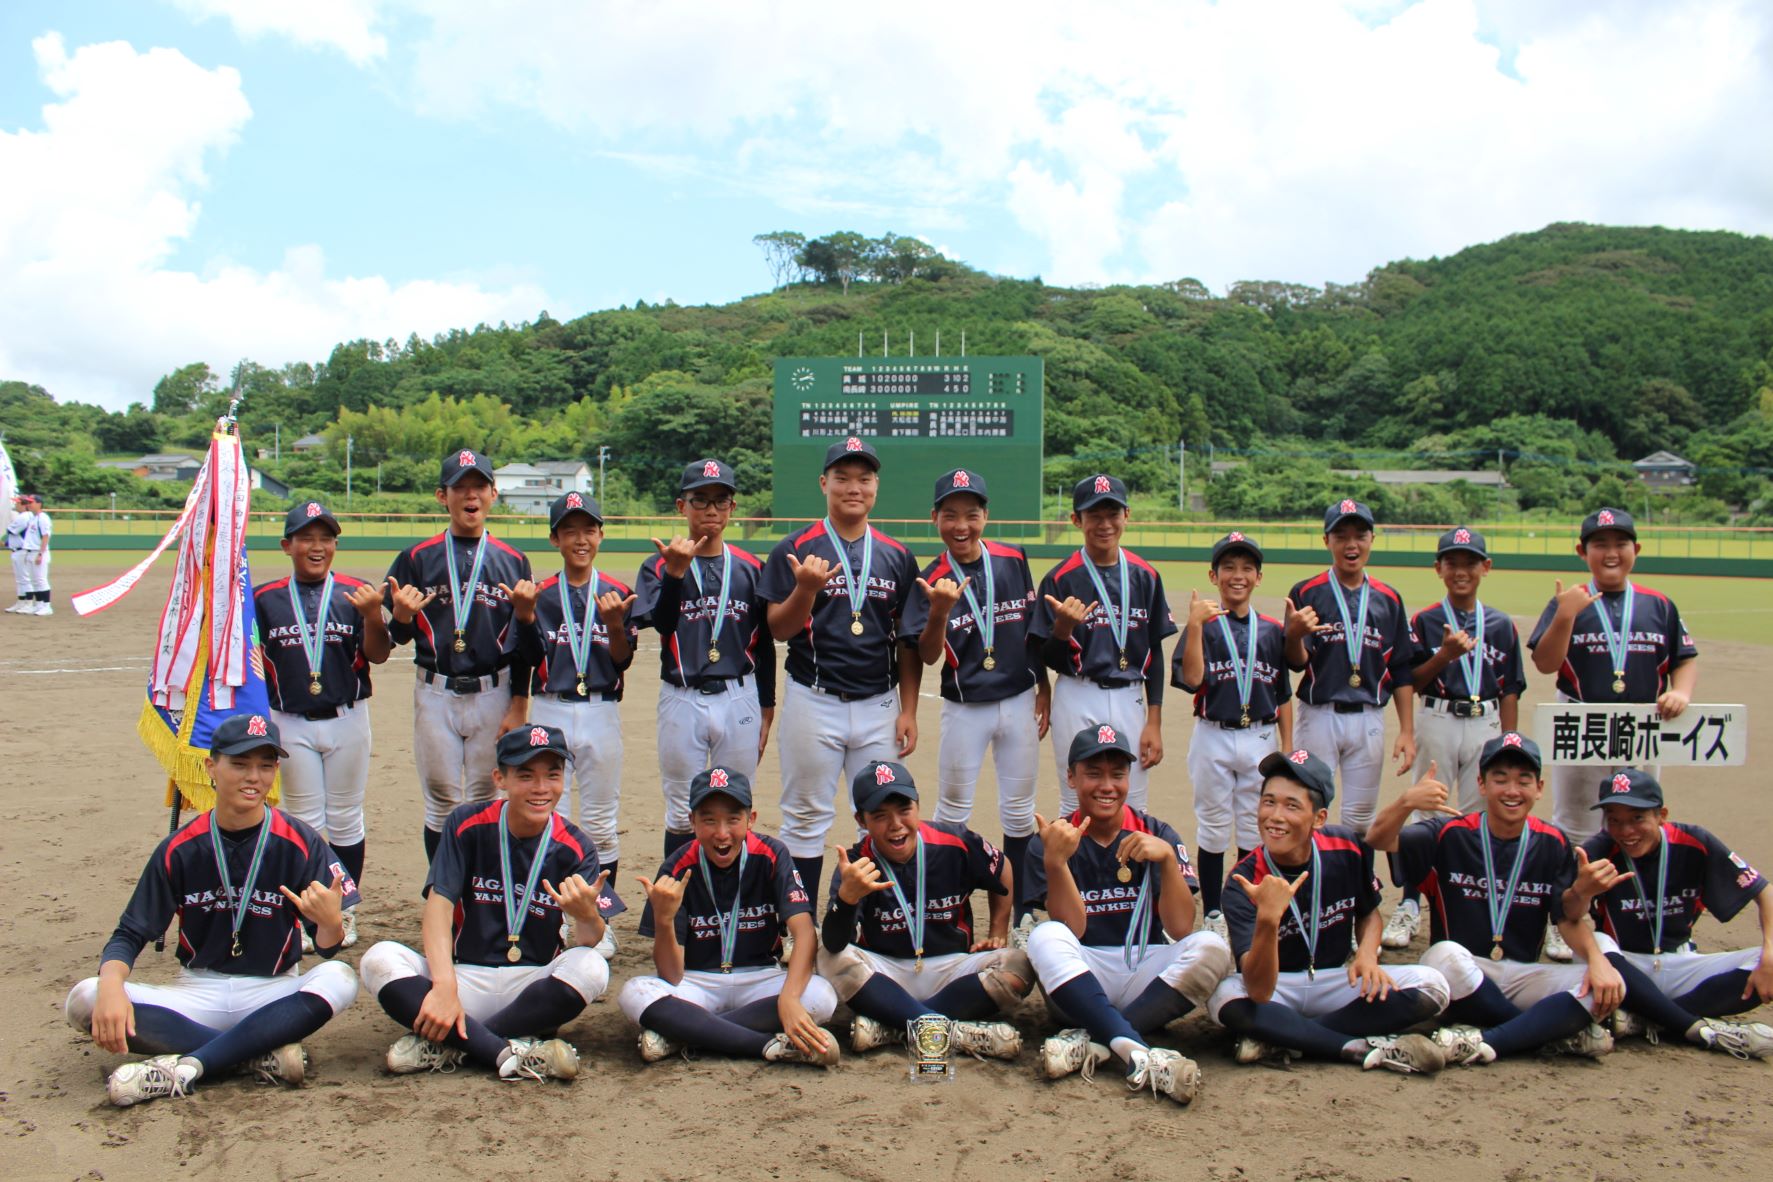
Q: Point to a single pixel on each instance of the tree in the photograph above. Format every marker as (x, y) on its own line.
(185, 389)
(135, 430)
(781, 253)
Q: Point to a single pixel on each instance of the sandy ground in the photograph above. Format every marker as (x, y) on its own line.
(81, 809)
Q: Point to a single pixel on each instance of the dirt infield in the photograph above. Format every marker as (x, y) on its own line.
(81, 810)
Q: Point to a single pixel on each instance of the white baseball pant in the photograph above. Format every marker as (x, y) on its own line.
(220, 1000)
(593, 733)
(485, 990)
(1453, 744)
(851, 969)
(1354, 747)
(1682, 972)
(21, 571)
(1008, 728)
(721, 993)
(1193, 965)
(326, 775)
(1078, 703)
(39, 571)
(454, 742)
(1576, 789)
(1330, 990)
(1227, 787)
(1524, 984)
(822, 739)
(698, 731)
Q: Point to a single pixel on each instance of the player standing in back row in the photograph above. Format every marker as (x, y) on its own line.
(1101, 619)
(836, 591)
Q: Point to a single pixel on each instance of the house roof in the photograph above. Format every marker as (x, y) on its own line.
(518, 469)
(1662, 459)
(314, 439)
(1481, 476)
(563, 467)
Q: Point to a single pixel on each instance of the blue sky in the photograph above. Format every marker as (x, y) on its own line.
(216, 179)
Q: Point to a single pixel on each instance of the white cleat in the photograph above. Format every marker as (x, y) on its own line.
(288, 1064)
(540, 1058)
(350, 925)
(606, 947)
(655, 1046)
(16, 608)
(1625, 1024)
(1401, 928)
(1019, 934)
(781, 1049)
(1214, 921)
(1590, 1043)
(866, 1034)
(43, 609)
(1407, 1054)
(149, 1079)
(412, 1052)
(987, 1040)
(1744, 1040)
(1069, 1052)
(1167, 1073)
(1463, 1046)
(1555, 947)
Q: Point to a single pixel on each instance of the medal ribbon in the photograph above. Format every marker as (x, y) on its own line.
(1243, 671)
(1138, 937)
(726, 574)
(1354, 630)
(1637, 880)
(855, 586)
(1499, 914)
(1618, 640)
(461, 604)
(514, 911)
(1472, 662)
(1309, 932)
(313, 641)
(985, 621)
(252, 872)
(578, 640)
(1117, 622)
(913, 919)
(729, 924)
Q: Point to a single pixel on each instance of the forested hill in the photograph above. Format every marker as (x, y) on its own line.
(1568, 350)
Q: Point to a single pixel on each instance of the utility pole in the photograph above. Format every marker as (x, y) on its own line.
(276, 441)
(348, 443)
(602, 486)
(378, 478)
(1182, 475)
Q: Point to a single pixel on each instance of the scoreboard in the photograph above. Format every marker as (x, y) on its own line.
(924, 415)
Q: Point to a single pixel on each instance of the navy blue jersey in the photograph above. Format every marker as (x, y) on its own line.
(467, 871)
(769, 896)
(1704, 874)
(959, 862)
(1347, 892)
(964, 676)
(1108, 902)
(490, 636)
(1387, 652)
(1659, 642)
(182, 879)
(545, 647)
(683, 616)
(1217, 697)
(1444, 856)
(1094, 654)
(1501, 672)
(344, 670)
(825, 653)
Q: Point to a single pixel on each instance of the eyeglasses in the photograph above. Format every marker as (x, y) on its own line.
(710, 503)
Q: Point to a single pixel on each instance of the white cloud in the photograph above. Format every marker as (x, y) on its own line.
(345, 25)
(105, 192)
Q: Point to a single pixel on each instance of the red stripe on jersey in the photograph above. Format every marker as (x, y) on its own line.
(757, 845)
(743, 556)
(426, 544)
(686, 859)
(501, 545)
(563, 835)
(1546, 829)
(1075, 562)
(350, 582)
(547, 582)
(1385, 591)
(198, 827)
(1269, 620)
(941, 568)
(273, 585)
(807, 534)
(1128, 819)
(1468, 821)
(880, 537)
(486, 816)
(937, 837)
(1002, 550)
(1313, 583)
(1640, 589)
(280, 827)
(1137, 561)
(1340, 844)
(1681, 837)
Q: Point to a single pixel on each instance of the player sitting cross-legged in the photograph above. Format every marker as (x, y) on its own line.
(1303, 911)
(493, 982)
(1116, 882)
(715, 914)
(898, 937)
(241, 878)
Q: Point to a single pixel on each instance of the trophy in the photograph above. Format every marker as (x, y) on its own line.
(930, 1039)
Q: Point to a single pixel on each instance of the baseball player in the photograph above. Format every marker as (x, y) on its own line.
(970, 611)
(1495, 881)
(321, 632)
(716, 913)
(450, 597)
(240, 878)
(494, 979)
(1307, 901)
(1642, 856)
(717, 659)
(37, 538)
(1468, 692)
(1117, 884)
(575, 631)
(898, 941)
(1233, 660)
(1101, 621)
(16, 527)
(836, 591)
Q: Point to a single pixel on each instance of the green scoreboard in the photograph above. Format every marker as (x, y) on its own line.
(924, 415)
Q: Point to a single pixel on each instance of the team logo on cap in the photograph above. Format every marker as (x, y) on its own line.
(1299, 756)
(852, 444)
(464, 459)
(1102, 485)
(1604, 517)
(574, 501)
(1511, 739)
(962, 480)
(1234, 536)
(883, 774)
(313, 508)
(538, 736)
(1105, 734)
(1621, 783)
(717, 778)
(1347, 507)
(255, 726)
(711, 470)
(1462, 537)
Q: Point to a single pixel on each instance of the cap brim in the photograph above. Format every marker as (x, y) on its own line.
(1609, 529)
(290, 531)
(742, 799)
(1461, 548)
(530, 753)
(462, 474)
(1230, 548)
(705, 482)
(1629, 800)
(1101, 749)
(864, 457)
(874, 800)
(971, 492)
(1094, 499)
(245, 745)
(556, 522)
(1331, 525)
(1514, 753)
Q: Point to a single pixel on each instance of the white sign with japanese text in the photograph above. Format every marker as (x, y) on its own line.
(1593, 734)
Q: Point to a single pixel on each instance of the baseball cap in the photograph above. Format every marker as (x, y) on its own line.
(1302, 767)
(1509, 743)
(1632, 788)
(517, 747)
(1341, 510)
(239, 733)
(879, 782)
(573, 502)
(963, 480)
(1461, 538)
(720, 781)
(1098, 489)
(852, 448)
(1235, 540)
(459, 464)
(306, 513)
(1094, 740)
(702, 473)
(1617, 519)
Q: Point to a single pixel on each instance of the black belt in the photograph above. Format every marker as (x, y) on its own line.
(322, 715)
(716, 685)
(1350, 707)
(843, 695)
(593, 696)
(1107, 684)
(1461, 707)
(460, 685)
(1243, 726)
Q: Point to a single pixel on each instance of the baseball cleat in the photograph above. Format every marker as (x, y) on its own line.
(655, 1046)
(540, 1058)
(287, 1064)
(1744, 1040)
(411, 1053)
(1408, 1054)
(1251, 1050)
(1071, 1051)
(1463, 1046)
(606, 947)
(866, 1034)
(1625, 1024)
(781, 1049)
(148, 1079)
(1166, 1073)
(43, 609)
(350, 925)
(17, 607)
(1555, 947)
(1214, 921)
(1400, 929)
(307, 942)
(1591, 1043)
(987, 1040)
(1019, 933)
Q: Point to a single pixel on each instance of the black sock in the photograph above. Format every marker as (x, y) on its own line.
(675, 841)
(1283, 1026)
(432, 840)
(1715, 997)
(1400, 1010)
(1644, 999)
(887, 1002)
(288, 1019)
(351, 858)
(964, 1000)
(1484, 1006)
(761, 1015)
(1546, 1021)
(160, 1031)
(1210, 867)
(1083, 1001)
(811, 869)
(544, 1006)
(685, 1022)
(401, 999)
(1412, 894)
(1156, 1008)
(1015, 849)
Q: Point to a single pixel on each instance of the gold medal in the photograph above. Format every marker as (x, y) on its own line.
(461, 644)
(990, 662)
(1619, 682)
(1496, 949)
(1245, 720)
(511, 953)
(856, 624)
(235, 949)
(1354, 679)
(1125, 873)
(1656, 962)
(726, 966)
(917, 966)
(713, 655)
(580, 688)
(314, 684)
(1123, 660)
